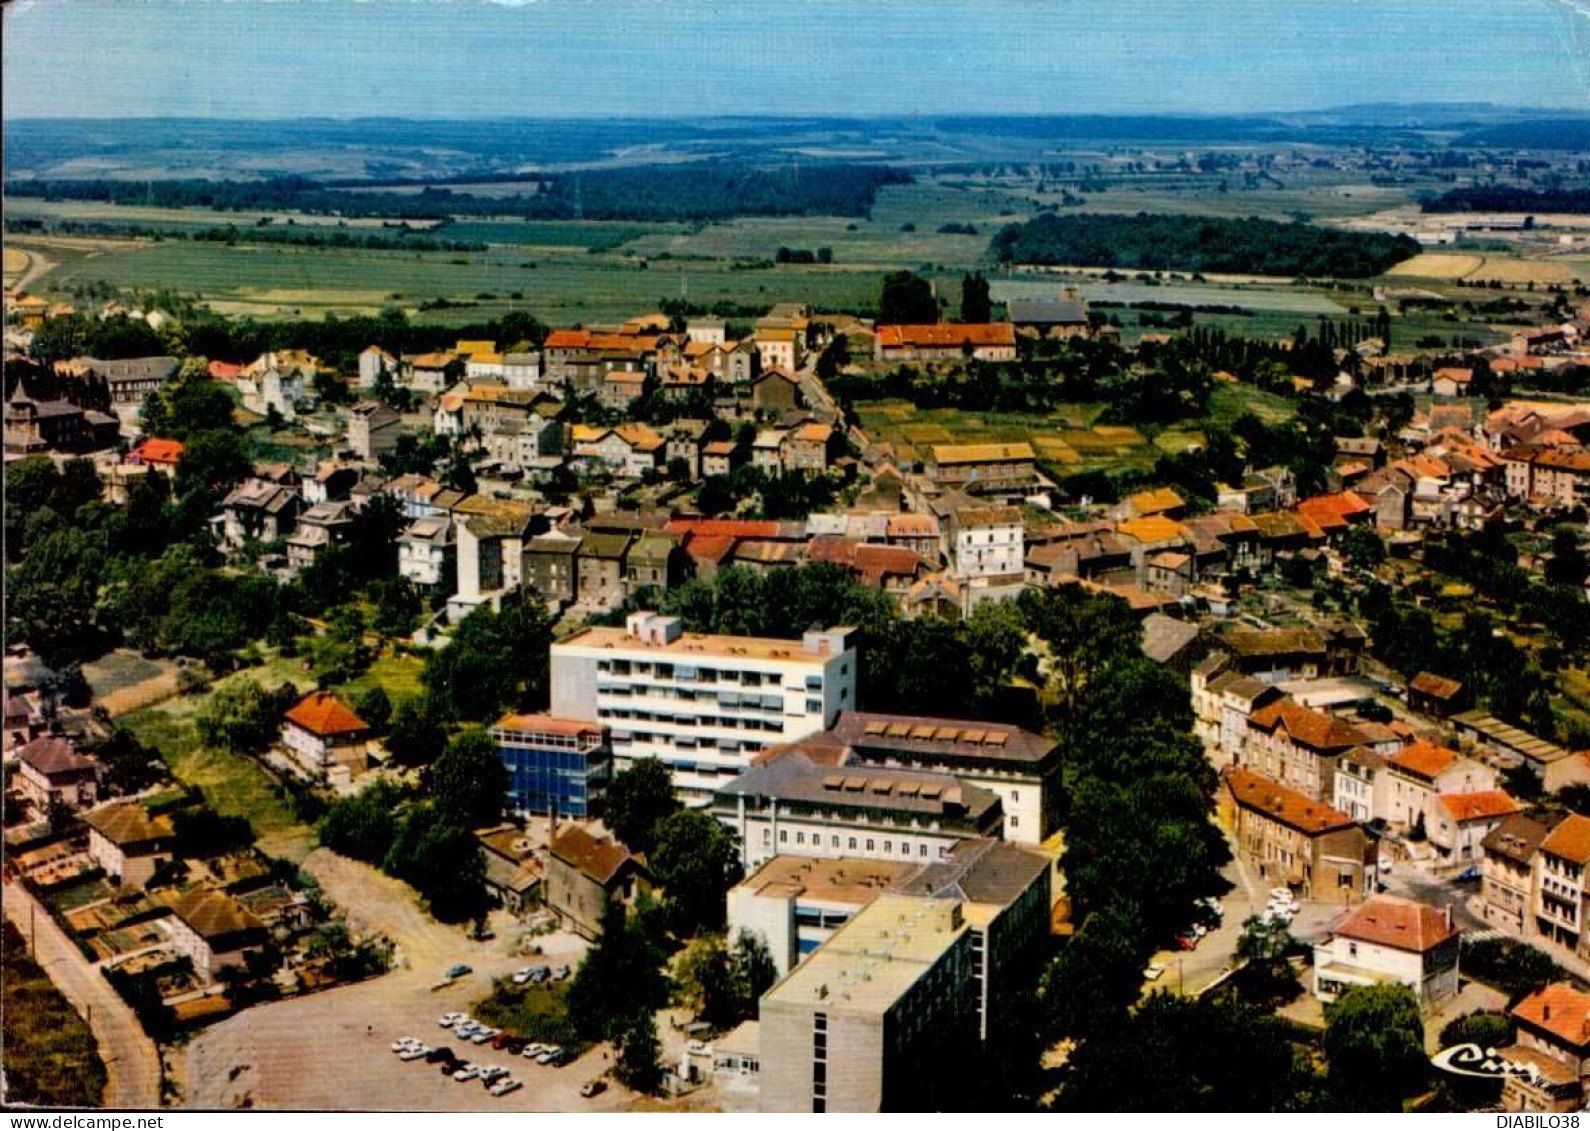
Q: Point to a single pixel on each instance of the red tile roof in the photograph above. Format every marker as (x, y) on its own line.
(724, 527)
(941, 334)
(1487, 804)
(1428, 683)
(601, 860)
(1399, 923)
(1279, 803)
(1306, 726)
(323, 714)
(1570, 840)
(1560, 1010)
(225, 370)
(158, 451)
(1424, 759)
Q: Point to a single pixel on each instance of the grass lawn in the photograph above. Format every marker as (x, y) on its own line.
(398, 673)
(537, 1012)
(51, 1057)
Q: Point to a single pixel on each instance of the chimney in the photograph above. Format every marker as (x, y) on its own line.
(1448, 910)
(1545, 1011)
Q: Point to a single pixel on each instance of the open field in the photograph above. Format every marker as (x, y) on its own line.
(1291, 300)
(1452, 266)
(31, 208)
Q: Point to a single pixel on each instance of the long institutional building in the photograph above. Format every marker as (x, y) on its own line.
(704, 705)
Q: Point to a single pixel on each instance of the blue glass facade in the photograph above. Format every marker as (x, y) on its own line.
(553, 771)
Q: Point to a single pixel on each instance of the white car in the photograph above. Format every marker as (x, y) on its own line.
(504, 1086)
(403, 1044)
(491, 1071)
(1153, 972)
(1284, 894)
(533, 1051)
(547, 1054)
(466, 1073)
(415, 1053)
(448, 1020)
(520, 977)
(698, 1048)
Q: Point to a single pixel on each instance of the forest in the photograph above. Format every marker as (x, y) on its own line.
(1509, 198)
(682, 193)
(1200, 243)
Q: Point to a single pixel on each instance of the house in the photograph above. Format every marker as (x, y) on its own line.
(654, 561)
(1222, 701)
(550, 568)
(1435, 695)
(717, 457)
(778, 346)
(808, 447)
(1277, 655)
(1059, 319)
(986, 542)
(128, 382)
(513, 871)
(373, 430)
(214, 931)
(1390, 939)
(584, 873)
(684, 445)
(600, 564)
(1558, 905)
(54, 426)
(628, 451)
(521, 366)
(984, 468)
(1363, 787)
(775, 389)
(324, 737)
(127, 843)
(161, 455)
(1507, 869)
(426, 551)
(1317, 851)
(945, 341)
(375, 363)
(1421, 772)
(332, 481)
(433, 372)
(257, 510)
(1552, 764)
(319, 527)
(1463, 821)
(1552, 1050)
(266, 385)
(1451, 381)
(50, 772)
(767, 451)
(1299, 747)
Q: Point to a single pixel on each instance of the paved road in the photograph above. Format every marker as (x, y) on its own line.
(131, 1061)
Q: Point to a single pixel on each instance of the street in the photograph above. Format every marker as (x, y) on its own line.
(132, 1063)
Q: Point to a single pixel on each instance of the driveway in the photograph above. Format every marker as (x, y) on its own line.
(132, 1063)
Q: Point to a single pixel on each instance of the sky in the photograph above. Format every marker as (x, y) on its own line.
(568, 58)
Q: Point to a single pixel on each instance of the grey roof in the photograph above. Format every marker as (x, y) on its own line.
(130, 369)
(982, 870)
(1164, 637)
(793, 777)
(932, 739)
(1048, 312)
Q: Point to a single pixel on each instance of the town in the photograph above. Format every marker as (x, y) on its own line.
(794, 606)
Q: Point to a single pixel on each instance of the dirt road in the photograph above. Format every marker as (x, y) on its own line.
(132, 1063)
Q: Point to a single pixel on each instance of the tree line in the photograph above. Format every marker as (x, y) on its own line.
(1200, 243)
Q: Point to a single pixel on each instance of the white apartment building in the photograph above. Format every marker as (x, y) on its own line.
(704, 705)
(988, 542)
(425, 551)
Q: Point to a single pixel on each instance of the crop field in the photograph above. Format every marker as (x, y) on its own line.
(268, 281)
(1292, 300)
(1451, 267)
(37, 208)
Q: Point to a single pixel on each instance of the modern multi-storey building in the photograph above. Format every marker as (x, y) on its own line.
(704, 705)
(881, 1018)
(1021, 767)
(791, 803)
(554, 765)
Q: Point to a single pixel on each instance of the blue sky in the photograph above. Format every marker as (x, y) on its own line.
(557, 58)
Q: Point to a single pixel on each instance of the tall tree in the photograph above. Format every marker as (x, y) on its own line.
(469, 782)
(976, 305)
(1374, 1043)
(638, 800)
(907, 299)
(696, 862)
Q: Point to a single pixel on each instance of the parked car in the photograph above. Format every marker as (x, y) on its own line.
(561, 973)
(547, 1055)
(1186, 941)
(1281, 893)
(533, 1050)
(520, 977)
(490, 1072)
(414, 1053)
(697, 1048)
(460, 970)
(593, 1088)
(504, 1086)
(448, 1020)
(466, 1073)
(1153, 971)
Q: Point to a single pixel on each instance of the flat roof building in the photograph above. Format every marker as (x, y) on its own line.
(705, 705)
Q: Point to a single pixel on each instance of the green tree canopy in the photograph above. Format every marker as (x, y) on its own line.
(1374, 1043)
(639, 799)
(469, 782)
(696, 862)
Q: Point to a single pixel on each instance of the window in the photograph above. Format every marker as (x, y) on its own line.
(836, 841)
(1014, 820)
(852, 844)
(767, 836)
(800, 838)
(783, 835)
(870, 846)
(921, 850)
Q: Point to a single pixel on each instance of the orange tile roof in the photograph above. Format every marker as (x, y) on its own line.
(601, 860)
(1428, 683)
(1570, 840)
(549, 724)
(1424, 759)
(1560, 1010)
(1484, 805)
(1279, 803)
(1152, 528)
(322, 713)
(1341, 506)
(159, 451)
(224, 370)
(1306, 726)
(947, 334)
(724, 527)
(1399, 923)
